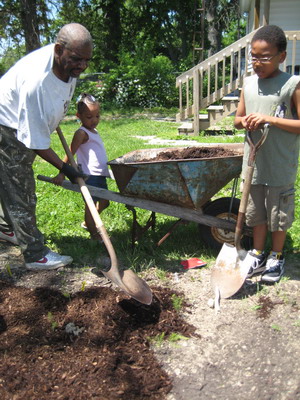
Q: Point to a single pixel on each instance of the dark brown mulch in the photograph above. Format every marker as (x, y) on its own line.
(109, 358)
(194, 152)
(265, 306)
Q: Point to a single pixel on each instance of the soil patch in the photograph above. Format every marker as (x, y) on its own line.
(93, 344)
(67, 334)
(191, 153)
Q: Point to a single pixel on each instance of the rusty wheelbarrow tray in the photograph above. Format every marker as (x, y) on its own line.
(179, 188)
(189, 183)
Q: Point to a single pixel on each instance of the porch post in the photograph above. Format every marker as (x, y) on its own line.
(266, 15)
(196, 101)
(256, 21)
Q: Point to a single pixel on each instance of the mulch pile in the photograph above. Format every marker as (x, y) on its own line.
(193, 152)
(90, 345)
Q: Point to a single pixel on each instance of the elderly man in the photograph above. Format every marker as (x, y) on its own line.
(34, 96)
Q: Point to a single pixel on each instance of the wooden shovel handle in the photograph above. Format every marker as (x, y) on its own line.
(254, 147)
(243, 206)
(66, 148)
(247, 183)
(84, 190)
(129, 282)
(89, 202)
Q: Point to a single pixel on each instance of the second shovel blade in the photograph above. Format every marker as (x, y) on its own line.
(230, 271)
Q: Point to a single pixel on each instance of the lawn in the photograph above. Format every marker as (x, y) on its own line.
(60, 212)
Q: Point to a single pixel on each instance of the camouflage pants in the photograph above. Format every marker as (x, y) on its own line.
(17, 195)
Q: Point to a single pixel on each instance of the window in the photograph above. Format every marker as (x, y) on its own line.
(297, 69)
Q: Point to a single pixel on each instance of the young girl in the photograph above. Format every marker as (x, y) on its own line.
(91, 155)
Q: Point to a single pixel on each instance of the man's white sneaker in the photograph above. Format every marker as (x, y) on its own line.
(9, 237)
(50, 261)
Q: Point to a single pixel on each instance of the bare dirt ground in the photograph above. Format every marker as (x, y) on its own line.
(69, 334)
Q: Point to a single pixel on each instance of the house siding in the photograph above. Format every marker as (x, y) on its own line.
(284, 14)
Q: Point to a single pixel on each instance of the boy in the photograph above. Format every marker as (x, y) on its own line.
(270, 96)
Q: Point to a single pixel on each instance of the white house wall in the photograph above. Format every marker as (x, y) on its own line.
(284, 13)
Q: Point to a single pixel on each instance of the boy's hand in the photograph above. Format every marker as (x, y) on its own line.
(254, 121)
(58, 179)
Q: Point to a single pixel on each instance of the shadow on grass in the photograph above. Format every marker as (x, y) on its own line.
(183, 243)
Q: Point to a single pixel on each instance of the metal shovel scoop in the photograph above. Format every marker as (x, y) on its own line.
(230, 271)
(126, 280)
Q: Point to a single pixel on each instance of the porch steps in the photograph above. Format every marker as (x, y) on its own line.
(215, 113)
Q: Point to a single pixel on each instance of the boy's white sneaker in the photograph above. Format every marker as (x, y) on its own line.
(50, 261)
(9, 237)
(256, 262)
(274, 269)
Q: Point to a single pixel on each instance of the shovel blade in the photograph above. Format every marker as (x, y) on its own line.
(131, 284)
(230, 271)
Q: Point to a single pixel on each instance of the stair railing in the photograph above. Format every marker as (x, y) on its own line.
(218, 76)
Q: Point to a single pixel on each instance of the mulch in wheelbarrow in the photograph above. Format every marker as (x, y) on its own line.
(93, 344)
(193, 152)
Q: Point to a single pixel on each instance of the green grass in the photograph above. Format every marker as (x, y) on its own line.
(60, 212)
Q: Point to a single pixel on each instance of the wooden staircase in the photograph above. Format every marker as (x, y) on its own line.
(214, 114)
(209, 91)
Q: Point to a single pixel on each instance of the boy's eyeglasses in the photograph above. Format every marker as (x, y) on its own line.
(262, 60)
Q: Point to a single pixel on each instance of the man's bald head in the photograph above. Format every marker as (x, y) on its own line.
(72, 51)
(74, 34)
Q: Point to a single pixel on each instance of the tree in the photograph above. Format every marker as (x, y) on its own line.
(165, 23)
(213, 35)
(220, 18)
(25, 22)
(29, 24)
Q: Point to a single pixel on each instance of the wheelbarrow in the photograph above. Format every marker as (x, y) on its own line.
(180, 188)
(186, 183)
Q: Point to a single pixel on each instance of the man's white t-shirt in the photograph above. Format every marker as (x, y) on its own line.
(33, 100)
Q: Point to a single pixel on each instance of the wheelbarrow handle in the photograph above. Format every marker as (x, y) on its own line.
(255, 147)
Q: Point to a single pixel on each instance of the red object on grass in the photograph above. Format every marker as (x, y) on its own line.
(192, 263)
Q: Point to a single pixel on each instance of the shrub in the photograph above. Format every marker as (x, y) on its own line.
(134, 83)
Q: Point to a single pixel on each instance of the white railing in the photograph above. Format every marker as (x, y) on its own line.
(223, 73)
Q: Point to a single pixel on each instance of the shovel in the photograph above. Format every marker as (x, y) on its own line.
(230, 272)
(126, 280)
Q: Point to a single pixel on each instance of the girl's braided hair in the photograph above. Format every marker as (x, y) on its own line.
(85, 99)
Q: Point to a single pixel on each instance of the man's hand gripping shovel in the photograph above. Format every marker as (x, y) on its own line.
(230, 271)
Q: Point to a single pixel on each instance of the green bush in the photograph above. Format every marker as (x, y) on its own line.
(96, 88)
(134, 83)
(150, 84)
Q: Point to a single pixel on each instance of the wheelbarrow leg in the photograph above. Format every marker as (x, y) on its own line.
(137, 229)
(179, 222)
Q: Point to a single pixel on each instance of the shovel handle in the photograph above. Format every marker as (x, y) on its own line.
(89, 202)
(84, 190)
(243, 206)
(255, 147)
(129, 282)
(247, 183)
